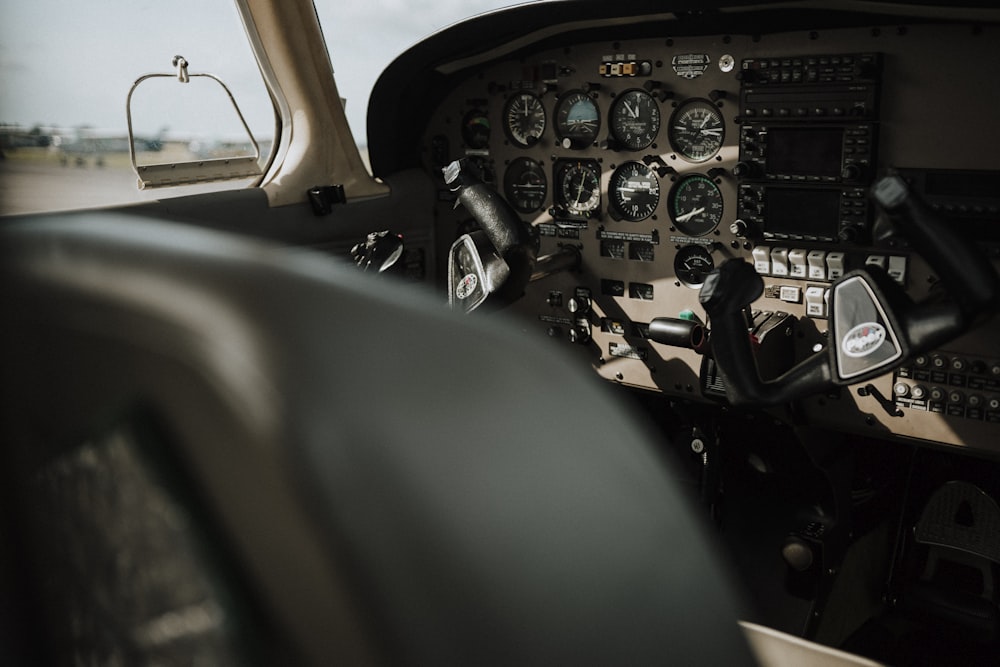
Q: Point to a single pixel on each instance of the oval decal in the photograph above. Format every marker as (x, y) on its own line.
(466, 286)
(863, 339)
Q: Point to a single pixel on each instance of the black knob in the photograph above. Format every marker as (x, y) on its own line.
(579, 335)
(739, 228)
(744, 170)
(578, 305)
(798, 554)
(852, 172)
(852, 234)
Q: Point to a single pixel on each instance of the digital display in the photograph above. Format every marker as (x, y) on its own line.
(805, 152)
(803, 212)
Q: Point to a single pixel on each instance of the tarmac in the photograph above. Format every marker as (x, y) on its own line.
(33, 181)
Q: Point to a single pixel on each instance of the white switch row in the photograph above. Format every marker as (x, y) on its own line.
(817, 264)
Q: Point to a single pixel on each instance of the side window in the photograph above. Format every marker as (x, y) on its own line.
(66, 69)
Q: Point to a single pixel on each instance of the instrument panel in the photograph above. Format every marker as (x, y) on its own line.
(660, 158)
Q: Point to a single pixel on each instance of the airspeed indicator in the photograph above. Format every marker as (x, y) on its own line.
(524, 119)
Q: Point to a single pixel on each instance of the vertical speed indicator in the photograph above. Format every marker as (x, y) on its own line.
(634, 191)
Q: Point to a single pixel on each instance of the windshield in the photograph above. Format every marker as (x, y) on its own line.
(364, 37)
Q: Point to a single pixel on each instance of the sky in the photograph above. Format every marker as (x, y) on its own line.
(67, 63)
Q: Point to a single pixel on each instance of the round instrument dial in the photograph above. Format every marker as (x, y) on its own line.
(525, 185)
(635, 119)
(579, 187)
(578, 120)
(634, 191)
(697, 130)
(524, 119)
(692, 264)
(695, 205)
(476, 130)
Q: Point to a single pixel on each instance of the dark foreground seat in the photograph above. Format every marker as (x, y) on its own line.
(215, 451)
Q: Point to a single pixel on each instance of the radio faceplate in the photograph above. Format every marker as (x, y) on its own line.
(808, 146)
(808, 153)
(806, 213)
(811, 87)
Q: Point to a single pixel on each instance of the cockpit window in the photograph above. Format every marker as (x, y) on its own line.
(364, 37)
(65, 72)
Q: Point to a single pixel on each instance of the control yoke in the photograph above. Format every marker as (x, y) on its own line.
(495, 261)
(874, 325)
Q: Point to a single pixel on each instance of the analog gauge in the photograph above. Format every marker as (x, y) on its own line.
(697, 130)
(476, 130)
(692, 264)
(695, 205)
(635, 119)
(524, 119)
(634, 191)
(525, 185)
(577, 120)
(579, 187)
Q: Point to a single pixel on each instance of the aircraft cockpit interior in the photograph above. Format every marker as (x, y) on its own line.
(760, 238)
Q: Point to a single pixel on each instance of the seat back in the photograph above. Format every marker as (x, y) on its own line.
(224, 450)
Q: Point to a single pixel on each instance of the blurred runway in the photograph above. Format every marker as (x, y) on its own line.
(34, 185)
(30, 184)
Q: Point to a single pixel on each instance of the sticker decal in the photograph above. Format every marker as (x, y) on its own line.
(863, 339)
(467, 286)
